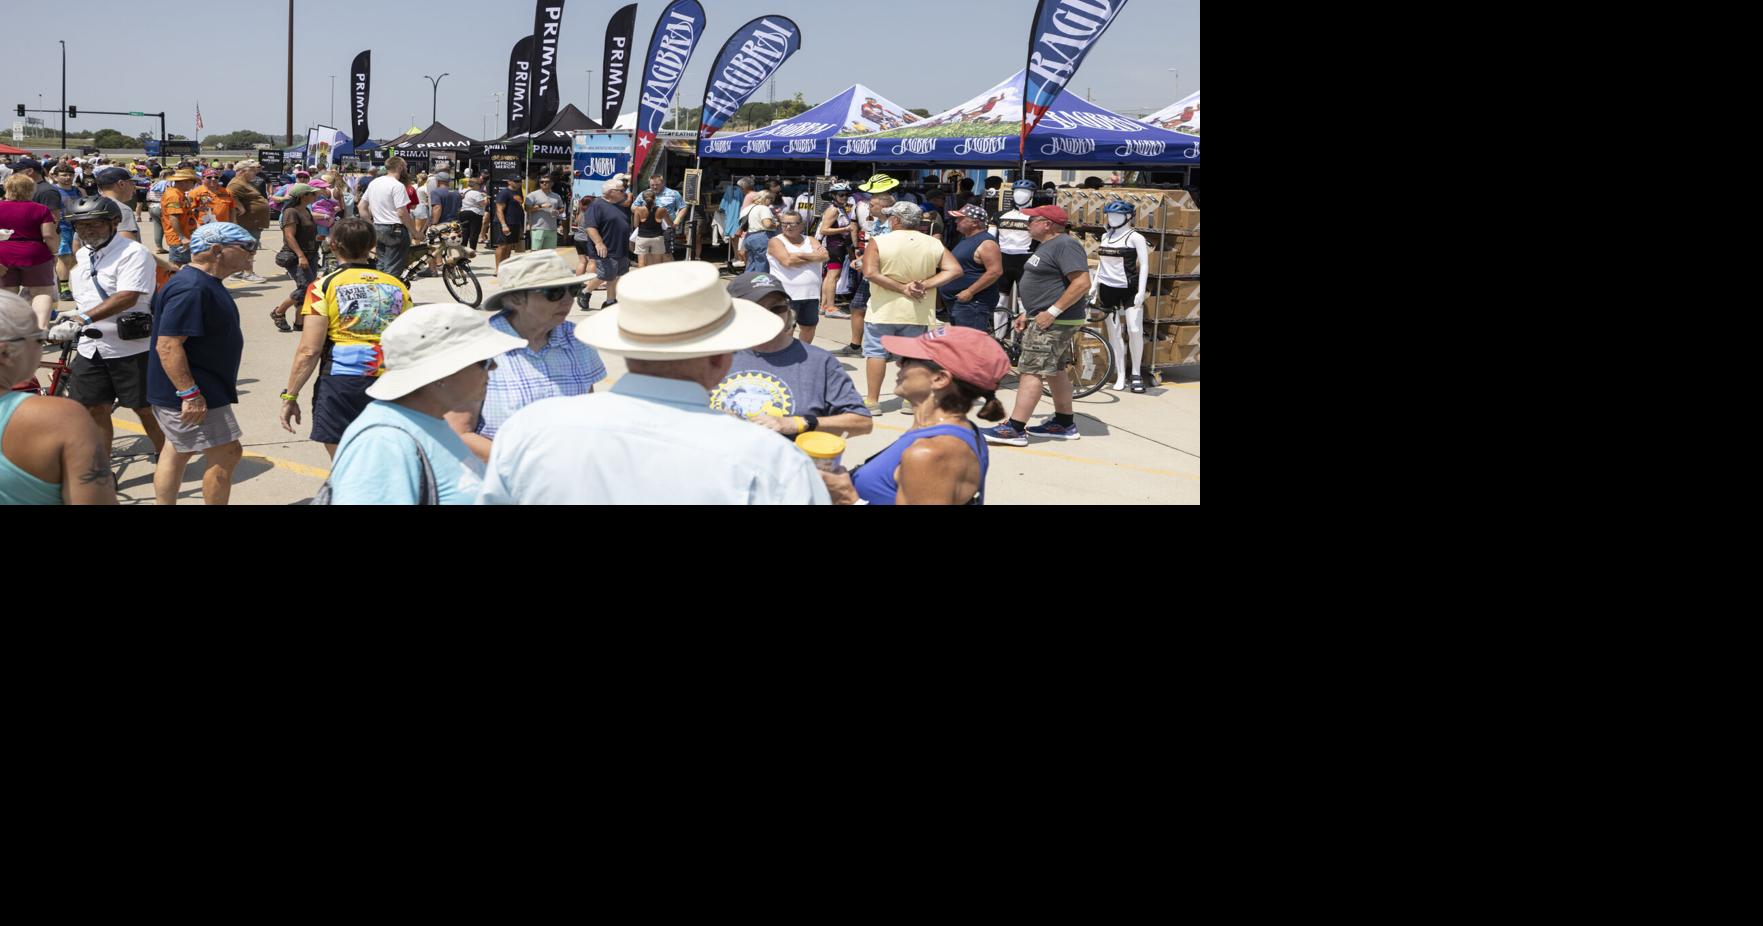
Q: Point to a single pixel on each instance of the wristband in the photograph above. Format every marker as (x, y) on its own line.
(190, 393)
(290, 397)
(812, 423)
(801, 424)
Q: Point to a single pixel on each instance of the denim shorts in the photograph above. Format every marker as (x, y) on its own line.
(975, 315)
(872, 335)
(66, 249)
(807, 312)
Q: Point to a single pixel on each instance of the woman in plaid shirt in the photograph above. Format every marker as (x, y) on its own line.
(539, 295)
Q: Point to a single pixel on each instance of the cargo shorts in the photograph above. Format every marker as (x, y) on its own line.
(1045, 353)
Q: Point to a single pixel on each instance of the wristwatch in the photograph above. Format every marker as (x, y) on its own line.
(813, 423)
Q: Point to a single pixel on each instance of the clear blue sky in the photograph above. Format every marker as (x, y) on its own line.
(123, 68)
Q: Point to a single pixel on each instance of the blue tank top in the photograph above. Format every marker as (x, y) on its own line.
(874, 480)
(966, 252)
(18, 487)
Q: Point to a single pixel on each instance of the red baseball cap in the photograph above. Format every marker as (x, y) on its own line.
(970, 355)
(1053, 214)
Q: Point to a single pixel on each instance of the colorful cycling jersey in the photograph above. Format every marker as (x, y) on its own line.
(1013, 236)
(357, 302)
(1119, 266)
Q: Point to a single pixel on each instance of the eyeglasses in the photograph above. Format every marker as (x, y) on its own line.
(247, 248)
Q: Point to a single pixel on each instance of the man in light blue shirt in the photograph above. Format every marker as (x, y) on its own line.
(653, 439)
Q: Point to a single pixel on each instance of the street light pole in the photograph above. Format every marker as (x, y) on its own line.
(63, 93)
(497, 106)
(333, 101)
(590, 89)
(435, 102)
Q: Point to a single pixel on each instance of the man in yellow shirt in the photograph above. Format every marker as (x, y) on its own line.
(905, 268)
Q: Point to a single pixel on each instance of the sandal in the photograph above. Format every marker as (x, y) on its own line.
(281, 320)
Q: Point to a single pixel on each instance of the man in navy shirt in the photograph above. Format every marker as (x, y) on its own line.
(508, 221)
(193, 364)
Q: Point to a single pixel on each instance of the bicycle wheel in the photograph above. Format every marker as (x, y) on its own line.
(461, 282)
(1091, 362)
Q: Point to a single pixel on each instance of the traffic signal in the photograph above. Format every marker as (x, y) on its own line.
(73, 112)
(21, 110)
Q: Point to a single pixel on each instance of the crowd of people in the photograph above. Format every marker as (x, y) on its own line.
(450, 405)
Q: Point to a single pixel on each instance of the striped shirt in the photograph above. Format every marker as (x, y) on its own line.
(564, 367)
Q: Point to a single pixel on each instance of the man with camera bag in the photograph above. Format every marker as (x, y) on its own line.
(113, 282)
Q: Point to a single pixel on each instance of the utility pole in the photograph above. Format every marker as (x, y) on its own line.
(64, 92)
(590, 90)
(290, 141)
(333, 101)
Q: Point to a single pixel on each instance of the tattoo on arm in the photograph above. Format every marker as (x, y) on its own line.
(100, 471)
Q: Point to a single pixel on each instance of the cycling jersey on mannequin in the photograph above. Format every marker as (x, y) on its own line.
(1119, 267)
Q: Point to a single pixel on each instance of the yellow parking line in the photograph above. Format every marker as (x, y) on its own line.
(297, 468)
(1192, 477)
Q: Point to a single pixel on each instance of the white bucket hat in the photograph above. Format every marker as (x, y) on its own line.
(535, 270)
(678, 311)
(432, 342)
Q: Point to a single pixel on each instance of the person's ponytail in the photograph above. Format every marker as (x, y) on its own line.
(993, 410)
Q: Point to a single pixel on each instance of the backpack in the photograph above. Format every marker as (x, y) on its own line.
(428, 495)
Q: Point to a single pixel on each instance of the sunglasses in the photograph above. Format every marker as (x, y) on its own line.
(247, 248)
(558, 293)
(489, 364)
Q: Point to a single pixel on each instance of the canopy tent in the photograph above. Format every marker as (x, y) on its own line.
(986, 130)
(436, 139)
(8, 149)
(856, 111)
(1181, 117)
(551, 143)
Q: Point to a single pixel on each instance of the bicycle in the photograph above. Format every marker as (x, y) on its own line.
(60, 371)
(1091, 359)
(444, 243)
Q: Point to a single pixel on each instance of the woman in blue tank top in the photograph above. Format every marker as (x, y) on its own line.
(943, 460)
(50, 450)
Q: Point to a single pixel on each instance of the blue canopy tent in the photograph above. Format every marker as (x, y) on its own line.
(986, 131)
(809, 136)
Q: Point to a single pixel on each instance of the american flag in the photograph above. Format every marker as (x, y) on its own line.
(198, 117)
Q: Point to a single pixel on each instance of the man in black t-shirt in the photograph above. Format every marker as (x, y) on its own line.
(609, 228)
(508, 221)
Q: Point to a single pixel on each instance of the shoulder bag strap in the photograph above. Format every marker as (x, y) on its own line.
(427, 492)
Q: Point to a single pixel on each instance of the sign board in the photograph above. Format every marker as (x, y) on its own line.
(504, 167)
(167, 149)
(272, 161)
(692, 190)
(18, 131)
(598, 157)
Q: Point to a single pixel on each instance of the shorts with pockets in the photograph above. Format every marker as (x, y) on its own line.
(873, 333)
(1045, 353)
(94, 381)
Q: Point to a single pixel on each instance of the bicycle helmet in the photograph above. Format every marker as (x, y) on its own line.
(1120, 207)
(1028, 185)
(94, 208)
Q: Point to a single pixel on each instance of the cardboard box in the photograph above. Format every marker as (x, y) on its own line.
(1180, 301)
(1186, 245)
(1174, 218)
(1173, 263)
(1168, 352)
(1187, 335)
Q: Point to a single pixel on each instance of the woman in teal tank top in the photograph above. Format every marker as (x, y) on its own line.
(50, 450)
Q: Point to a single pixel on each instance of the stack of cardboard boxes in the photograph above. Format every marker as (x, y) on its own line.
(1171, 226)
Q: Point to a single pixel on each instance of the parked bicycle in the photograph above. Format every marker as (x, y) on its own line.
(1092, 360)
(443, 251)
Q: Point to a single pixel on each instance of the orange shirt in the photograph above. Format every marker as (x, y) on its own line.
(179, 214)
(220, 202)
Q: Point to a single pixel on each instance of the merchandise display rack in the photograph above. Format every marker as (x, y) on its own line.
(1155, 326)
